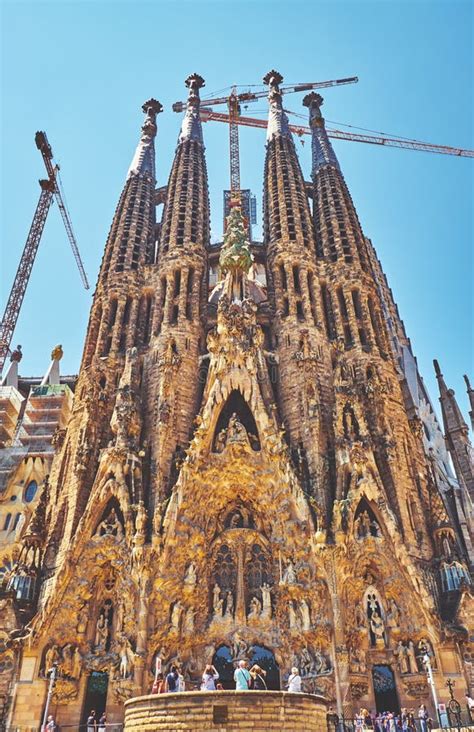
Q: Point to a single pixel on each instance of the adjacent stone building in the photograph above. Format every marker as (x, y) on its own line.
(250, 468)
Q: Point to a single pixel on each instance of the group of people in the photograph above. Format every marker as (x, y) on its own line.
(244, 678)
(96, 722)
(407, 721)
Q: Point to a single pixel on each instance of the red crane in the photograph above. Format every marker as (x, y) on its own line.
(50, 187)
(208, 115)
(233, 118)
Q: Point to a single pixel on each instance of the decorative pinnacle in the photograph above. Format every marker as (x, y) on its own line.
(313, 100)
(273, 79)
(194, 82)
(437, 368)
(152, 106)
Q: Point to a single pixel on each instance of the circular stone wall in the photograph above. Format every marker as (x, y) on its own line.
(226, 710)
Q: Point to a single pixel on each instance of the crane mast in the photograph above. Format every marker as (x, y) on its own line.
(49, 188)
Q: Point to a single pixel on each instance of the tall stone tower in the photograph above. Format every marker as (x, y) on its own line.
(244, 474)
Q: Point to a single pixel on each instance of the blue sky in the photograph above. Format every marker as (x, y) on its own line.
(81, 70)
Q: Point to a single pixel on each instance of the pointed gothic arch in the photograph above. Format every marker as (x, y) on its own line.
(111, 521)
(236, 404)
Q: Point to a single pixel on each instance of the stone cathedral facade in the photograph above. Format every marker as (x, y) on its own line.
(250, 468)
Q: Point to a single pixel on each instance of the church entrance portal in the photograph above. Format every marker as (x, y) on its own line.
(385, 690)
(225, 666)
(96, 695)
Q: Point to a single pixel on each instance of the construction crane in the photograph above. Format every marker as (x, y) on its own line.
(50, 187)
(208, 115)
(233, 118)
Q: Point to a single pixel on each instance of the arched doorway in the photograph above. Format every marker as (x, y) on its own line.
(96, 695)
(224, 665)
(385, 690)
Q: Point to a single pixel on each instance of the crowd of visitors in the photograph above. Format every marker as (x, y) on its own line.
(407, 721)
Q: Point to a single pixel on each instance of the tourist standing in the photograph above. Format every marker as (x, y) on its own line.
(257, 678)
(91, 722)
(181, 682)
(172, 679)
(51, 724)
(423, 718)
(470, 707)
(242, 677)
(294, 681)
(102, 722)
(209, 678)
(159, 685)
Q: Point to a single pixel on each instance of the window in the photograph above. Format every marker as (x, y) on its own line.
(16, 521)
(30, 491)
(8, 518)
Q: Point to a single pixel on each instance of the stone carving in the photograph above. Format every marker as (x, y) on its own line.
(418, 689)
(289, 575)
(359, 690)
(377, 627)
(110, 526)
(127, 658)
(190, 576)
(229, 604)
(126, 420)
(65, 691)
(217, 602)
(357, 661)
(102, 631)
(406, 657)
(255, 608)
(266, 600)
(424, 646)
(177, 610)
(393, 615)
(305, 615)
(311, 663)
(68, 661)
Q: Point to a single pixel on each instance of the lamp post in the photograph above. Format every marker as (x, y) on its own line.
(429, 671)
(52, 678)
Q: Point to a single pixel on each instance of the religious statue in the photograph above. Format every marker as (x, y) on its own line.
(220, 441)
(358, 664)
(412, 658)
(289, 575)
(377, 627)
(76, 664)
(188, 625)
(305, 615)
(176, 615)
(292, 616)
(393, 615)
(424, 647)
(320, 665)
(266, 600)
(101, 633)
(127, 658)
(306, 662)
(217, 601)
(190, 576)
(52, 658)
(239, 647)
(255, 608)
(363, 525)
(236, 431)
(67, 661)
(110, 526)
(140, 520)
(82, 618)
(402, 654)
(229, 604)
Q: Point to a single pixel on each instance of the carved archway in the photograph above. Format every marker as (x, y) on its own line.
(236, 405)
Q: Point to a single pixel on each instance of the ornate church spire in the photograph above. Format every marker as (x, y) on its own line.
(185, 220)
(338, 231)
(470, 394)
(143, 162)
(456, 433)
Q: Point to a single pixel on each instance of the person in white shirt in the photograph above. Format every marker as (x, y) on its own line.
(294, 681)
(209, 678)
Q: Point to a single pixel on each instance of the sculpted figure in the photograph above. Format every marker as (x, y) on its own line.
(217, 601)
(76, 664)
(292, 616)
(220, 441)
(52, 657)
(266, 600)
(67, 660)
(229, 604)
(110, 526)
(255, 608)
(402, 654)
(236, 431)
(377, 627)
(176, 615)
(82, 618)
(393, 616)
(289, 575)
(189, 621)
(306, 662)
(412, 658)
(101, 633)
(305, 615)
(190, 576)
(239, 647)
(127, 658)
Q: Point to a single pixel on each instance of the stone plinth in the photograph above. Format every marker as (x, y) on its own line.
(259, 711)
